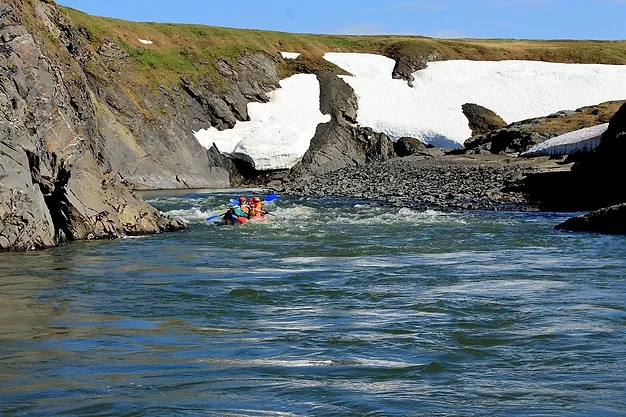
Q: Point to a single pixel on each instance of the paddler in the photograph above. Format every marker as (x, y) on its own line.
(243, 209)
(256, 207)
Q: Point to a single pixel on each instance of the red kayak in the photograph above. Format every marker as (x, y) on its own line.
(244, 220)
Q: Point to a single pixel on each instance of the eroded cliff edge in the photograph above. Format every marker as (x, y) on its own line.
(55, 181)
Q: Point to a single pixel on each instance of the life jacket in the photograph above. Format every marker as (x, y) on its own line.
(256, 209)
(241, 210)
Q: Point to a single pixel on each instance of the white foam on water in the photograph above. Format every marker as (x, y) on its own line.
(191, 214)
(508, 287)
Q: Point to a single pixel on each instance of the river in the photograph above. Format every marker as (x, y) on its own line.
(331, 308)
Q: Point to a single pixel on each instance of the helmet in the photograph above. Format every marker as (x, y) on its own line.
(242, 199)
(255, 199)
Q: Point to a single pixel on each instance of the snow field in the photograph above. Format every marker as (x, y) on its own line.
(279, 132)
(431, 109)
(583, 140)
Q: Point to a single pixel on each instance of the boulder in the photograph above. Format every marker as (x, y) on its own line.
(509, 140)
(611, 220)
(341, 142)
(481, 119)
(411, 146)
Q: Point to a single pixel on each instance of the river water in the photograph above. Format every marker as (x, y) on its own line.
(330, 308)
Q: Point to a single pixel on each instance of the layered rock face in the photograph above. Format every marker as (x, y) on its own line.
(519, 137)
(150, 140)
(55, 182)
(594, 181)
(341, 142)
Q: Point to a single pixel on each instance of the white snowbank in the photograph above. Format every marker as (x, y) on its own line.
(583, 140)
(145, 42)
(289, 55)
(363, 65)
(279, 132)
(431, 109)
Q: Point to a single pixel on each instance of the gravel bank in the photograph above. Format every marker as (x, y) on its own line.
(444, 182)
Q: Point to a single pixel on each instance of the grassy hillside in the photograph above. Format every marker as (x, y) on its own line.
(193, 50)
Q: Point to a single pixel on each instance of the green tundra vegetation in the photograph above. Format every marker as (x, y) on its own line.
(193, 50)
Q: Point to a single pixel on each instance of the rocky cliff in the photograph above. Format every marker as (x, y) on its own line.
(521, 136)
(149, 133)
(151, 96)
(55, 180)
(594, 181)
(341, 142)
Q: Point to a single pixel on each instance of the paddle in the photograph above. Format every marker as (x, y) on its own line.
(270, 198)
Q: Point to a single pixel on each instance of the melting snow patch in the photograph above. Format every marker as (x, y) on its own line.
(363, 65)
(431, 109)
(279, 132)
(583, 140)
(145, 42)
(289, 55)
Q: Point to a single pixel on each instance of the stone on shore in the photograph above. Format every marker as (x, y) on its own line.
(611, 220)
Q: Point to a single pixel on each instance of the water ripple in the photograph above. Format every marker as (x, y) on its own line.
(334, 307)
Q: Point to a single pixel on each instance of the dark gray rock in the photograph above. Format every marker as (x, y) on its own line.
(509, 140)
(111, 50)
(611, 220)
(594, 181)
(481, 119)
(411, 146)
(54, 182)
(340, 143)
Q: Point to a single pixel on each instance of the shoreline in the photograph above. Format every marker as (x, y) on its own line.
(444, 182)
(441, 182)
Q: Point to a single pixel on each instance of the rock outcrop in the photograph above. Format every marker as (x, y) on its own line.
(519, 137)
(594, 181)
(482, 120)
(408, 60)
(611, 220)
(411, 146)
(55, 183)
(341, 142)
(149, 133)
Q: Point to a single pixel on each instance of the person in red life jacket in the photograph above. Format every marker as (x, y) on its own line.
(256, 207)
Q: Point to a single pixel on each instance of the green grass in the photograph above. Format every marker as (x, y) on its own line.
(193, 51)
